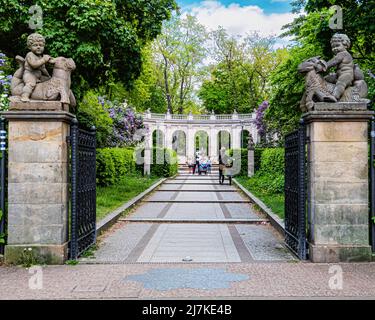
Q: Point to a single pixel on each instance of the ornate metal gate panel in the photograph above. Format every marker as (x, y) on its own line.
(3, 188)
(295, 192)
(83, 190)
(372, 185)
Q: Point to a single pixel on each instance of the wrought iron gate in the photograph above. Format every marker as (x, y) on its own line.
(3, 171)
(372, 184)
(83, 190)
(295, 192)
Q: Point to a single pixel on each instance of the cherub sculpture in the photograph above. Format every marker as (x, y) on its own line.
(32, 81)
(345, 85)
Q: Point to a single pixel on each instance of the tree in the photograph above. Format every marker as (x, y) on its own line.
(312, 36)
(179, 53)
(104, 37)
(240, 78)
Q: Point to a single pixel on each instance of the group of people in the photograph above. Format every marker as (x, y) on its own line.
(202, 164)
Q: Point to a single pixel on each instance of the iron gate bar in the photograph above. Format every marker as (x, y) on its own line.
(2, 182)
(83, 181)
(295, 191)
(372, 184)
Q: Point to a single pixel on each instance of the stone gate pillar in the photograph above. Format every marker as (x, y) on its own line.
(338, 182)
(38, 195)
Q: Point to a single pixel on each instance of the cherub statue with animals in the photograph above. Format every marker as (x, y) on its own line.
(32, 81)
(347, 84)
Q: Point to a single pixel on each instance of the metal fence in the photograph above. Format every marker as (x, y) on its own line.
(83, 190)
(295, 192)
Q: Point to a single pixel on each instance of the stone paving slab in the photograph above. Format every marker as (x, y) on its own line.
(242, 281)
(201, 242)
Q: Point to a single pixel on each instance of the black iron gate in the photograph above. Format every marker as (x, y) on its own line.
(295, 192)
(372, 184)
(3, 189)
(83, 190)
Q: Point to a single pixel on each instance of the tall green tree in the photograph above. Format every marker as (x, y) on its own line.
(104, 37)
(240, 75)
(179, 53)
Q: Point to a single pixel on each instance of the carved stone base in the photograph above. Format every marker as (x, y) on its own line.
(36, 105)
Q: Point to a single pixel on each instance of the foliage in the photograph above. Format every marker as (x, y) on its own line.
(104, 37)
(5, 79)
(243, 158)
(93, 113)
(128, 128)
(164, 162)
(312, 36)
(178, 54)
(239, 79)
(113, 165)
(272, 161)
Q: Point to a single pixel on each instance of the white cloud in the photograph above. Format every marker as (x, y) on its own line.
(239, 20)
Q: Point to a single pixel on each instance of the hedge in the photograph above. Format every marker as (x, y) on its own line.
(272, 161)
(113, 164)
(244, 160)
(169, 165)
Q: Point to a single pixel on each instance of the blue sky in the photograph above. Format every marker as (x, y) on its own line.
(269, 6)
(241, 17)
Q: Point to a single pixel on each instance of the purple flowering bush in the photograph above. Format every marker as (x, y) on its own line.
(128, 128)
(5, 80)
(259, 120)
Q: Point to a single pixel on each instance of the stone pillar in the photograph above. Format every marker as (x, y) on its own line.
(190, 141)
(38, 195)
(250, 157)
(147, 155)
(339, 182)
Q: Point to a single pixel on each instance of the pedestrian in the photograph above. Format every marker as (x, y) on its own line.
(222, 162)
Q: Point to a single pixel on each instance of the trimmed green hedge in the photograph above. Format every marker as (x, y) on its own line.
(169, 164)
(272, 161)
(244, 160)
(113, 164)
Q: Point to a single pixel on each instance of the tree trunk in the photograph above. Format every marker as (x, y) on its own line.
(167, 93)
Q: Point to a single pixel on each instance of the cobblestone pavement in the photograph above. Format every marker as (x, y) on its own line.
(190, 281)
(216, 229)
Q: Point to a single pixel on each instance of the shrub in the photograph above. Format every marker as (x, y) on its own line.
(272, 161)
(168, 166)
(113, 164)
(244, 157)
(257, 158)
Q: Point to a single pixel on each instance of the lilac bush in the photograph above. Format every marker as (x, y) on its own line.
(260, 116)
(5, 81)
(128, 127)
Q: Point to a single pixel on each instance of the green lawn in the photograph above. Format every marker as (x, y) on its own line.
(274, 201)
(112, 197)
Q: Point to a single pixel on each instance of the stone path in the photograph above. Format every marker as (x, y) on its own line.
(143, 260)
(192, 219)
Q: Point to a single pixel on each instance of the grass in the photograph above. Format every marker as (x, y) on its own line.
(275, 201)
(111, 197)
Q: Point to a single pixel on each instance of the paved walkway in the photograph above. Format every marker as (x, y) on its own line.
(237, 258)
(192, 219)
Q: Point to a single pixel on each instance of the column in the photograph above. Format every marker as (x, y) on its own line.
(190, 141)
(38, 197)
(338, 187)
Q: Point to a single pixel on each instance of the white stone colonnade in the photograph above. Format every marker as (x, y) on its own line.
(191, 125)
